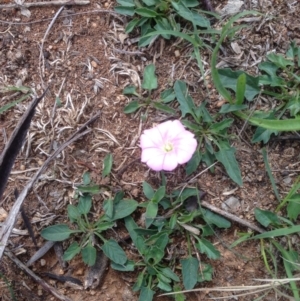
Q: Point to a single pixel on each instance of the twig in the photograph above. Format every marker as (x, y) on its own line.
(232, 217)
(47, 3)
(12, 217)
(41, 57)
(39, 280)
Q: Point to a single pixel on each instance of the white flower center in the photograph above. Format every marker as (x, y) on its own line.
(168, 147)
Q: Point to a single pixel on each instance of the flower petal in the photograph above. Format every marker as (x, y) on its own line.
(170, 162)
(151, 138)
(156, 163)
(185, 149)
(169, 130)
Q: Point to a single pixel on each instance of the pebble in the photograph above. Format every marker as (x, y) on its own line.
(94, 64)
(232, 204)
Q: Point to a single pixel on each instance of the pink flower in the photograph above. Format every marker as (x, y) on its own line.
(167, 145)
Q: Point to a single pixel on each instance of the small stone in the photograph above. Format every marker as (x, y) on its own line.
(287, 180)
(232, 204)
(177, 53)
(94, 64)
(43, 262)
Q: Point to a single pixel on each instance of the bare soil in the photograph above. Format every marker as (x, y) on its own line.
(87, 60)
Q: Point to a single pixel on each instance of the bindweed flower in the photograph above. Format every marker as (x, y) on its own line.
(167, 145)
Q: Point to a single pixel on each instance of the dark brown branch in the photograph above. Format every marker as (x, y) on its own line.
(12, 217)
(232, 217)
(39, 280)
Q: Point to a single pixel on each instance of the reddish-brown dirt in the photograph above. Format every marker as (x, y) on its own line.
(87, 61)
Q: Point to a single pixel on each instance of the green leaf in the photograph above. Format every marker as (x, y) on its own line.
(127, 267)
(153, 255)
(293, 207)
(124, 208)
(266, 217)
(92, 189)
(160, 240)
(163, 24)
(107, 165)
(146, 294)
(288, 125)
(218, 127)
(84, 204)
(130, 226)
(102, 226)
(205, 247)
(229, 79)
(139, 282)
(125, 10)
(269, 171)
(187, 105)
(226, 156)
(73, 213)
(148, 190)
(189, 15)
(271, 78)
(179, 296)
(86, 178)
(149, 79)
(151, 212)
(129, 28)
(164, 108)
(167, 95)
(147, 38)
(194, 162)
(129, 3)
(263, 135)
(278, 232)
(89, 254)
(170, 274)
(114, 252)
(240, 89)
(206, 273)
(227, 108)
(72, 250)
(190, 268)
(130, 90)
(108, 207)
(164, 285)
(159, 194)
(13, 103)
(132, 107)
(146, 12)
(58, 232)
(150, 2)
(215, 219)
(279, 60)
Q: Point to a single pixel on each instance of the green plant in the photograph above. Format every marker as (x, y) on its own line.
(211, 131)
(25, 90)
(87, 232)
(158, 16)
(281, 73)
(280, 225)
(149, 83)
(172, 219)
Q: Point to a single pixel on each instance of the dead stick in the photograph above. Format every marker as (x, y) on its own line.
(39, 280)
(47, 3)
(12, 217)
(232, 217)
